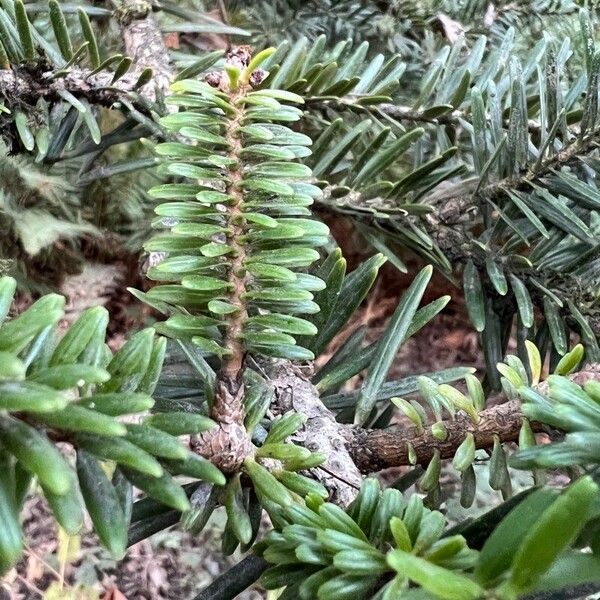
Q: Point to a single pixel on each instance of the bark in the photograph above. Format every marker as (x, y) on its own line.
(26, 86)
(143, 44)
(321, 432)
(374, 450)
(228, 443)
(353, 450)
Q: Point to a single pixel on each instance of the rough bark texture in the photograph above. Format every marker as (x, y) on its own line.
(321, 432)
(353, 450)
(28, 86)
(227, 444)
(143, 44)
(374, 450)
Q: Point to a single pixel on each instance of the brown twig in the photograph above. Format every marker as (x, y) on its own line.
(355, 450)
(228, 444)
(374, 450)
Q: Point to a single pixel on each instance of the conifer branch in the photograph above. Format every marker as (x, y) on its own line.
(374, 450)
(143, 43)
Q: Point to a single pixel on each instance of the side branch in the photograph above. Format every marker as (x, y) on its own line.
(353, 450)
(144, 44)
(374, 450)
(321, 433)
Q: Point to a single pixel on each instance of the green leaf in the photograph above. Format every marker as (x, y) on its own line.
(474, 296)
(499, 549)
(389, 344)
(279, 295)
(268, 338)
(441, 582)
(556, 326)
(22, 125)
(121, 451)
(11, 536)
(287, 351)
(122, 67)
(28, 396)
(340, 149)
(266, 484)
(496, 276)
(200, 65)
(281, 170)
(203, 283)
(381, 160)
(129, 364)
(118, 404)
(64, 377)
(90, 38)
(301, 485)
(197, 467)
(155, 441)
(465, 454)
(180, 423)
(81, 419)
(61, 32)
(289, 257)
(353, 291)
(570, 570)
(102, 503)
(257, 400)
(212, 197)
(68, 508)
(283, 323)
(24, 29)
(144, 78)
(91, 323)
(523, 299)
(174, 191)
(401, 387)
(36, 453)
(555, 530)
(163, 488)
(8, 285)
(570, 361)
(284, 426)
(346, 587)
(11, 368)
(374, 238)
(237, 517)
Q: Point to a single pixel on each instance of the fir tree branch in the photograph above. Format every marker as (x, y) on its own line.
(374, 450)
(143, 44)
(457, 209)
(21, 86)
(355, 449)
(402, 113)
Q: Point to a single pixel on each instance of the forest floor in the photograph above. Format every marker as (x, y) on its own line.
(174, 564)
